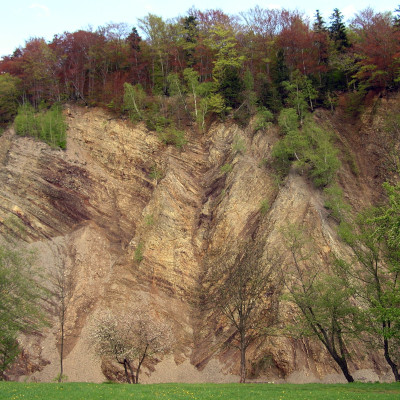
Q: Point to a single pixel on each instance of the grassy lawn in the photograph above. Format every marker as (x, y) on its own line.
(86, 391)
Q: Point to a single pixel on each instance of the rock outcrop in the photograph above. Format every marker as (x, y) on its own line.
(131, 221)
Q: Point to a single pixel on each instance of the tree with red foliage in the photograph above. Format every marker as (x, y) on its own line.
(298, 43)
(256, 42)
(39, 66)
(36, 66)
(79, 62)
(377, 43)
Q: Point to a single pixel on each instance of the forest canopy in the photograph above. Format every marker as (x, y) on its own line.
(210, 62)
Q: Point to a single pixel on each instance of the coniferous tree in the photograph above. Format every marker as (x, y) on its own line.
(337, 30)
(190, 35)
(396, 18)
(321, 42)
(319, 24)
(280, 73)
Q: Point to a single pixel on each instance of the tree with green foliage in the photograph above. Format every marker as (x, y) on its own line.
(321, 155)
(248, 99)
(21, 297)
(227, 64)
(309, 148)
(134, 97)
(177, 89)
(324, 301)
(203, 96)
(335, 203)
(321, 42)
(292, 145)
(10, 92)
(230, 86)
(300, 93)
(222, 40)
(157, 32)
(264, 118)
(192, 80)
(374, 237)
(275, 93)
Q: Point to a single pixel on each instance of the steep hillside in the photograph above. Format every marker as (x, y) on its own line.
(137, 223)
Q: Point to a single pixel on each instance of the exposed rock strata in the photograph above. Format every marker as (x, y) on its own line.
(127, 239)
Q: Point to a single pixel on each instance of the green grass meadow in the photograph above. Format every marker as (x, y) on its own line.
(172, 391)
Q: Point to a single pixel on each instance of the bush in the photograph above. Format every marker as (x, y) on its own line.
(335, 203)
(264, 206)
(138, 254)
(226, 168)
(48, 126)
(310, 148)
(238, 145)
(154, 118)
(264, 119)
(173, 136)
(53, 127)
(25, 121)
(156, 173)
(149, 219)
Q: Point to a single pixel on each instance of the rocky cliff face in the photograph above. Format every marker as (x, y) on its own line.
(132, 222)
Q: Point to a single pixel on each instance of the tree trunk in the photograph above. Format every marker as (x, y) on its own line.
(242, 359)
(389, 360)
(61, 350)
(140, 364)
(128, 380)
(134, 378)
(343, 366)
(346, 372)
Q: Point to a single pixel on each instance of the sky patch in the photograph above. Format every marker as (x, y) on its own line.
(41, 10)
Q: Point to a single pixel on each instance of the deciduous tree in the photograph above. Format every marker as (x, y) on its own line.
(374, 238)
(242, 290)
(324, 301)
(129, 339)
(21, 297)
(10, 92)
(378, 45)
(61, 289)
